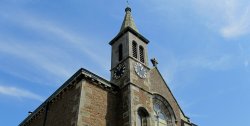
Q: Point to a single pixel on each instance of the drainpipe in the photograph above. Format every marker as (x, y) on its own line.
(46, 113)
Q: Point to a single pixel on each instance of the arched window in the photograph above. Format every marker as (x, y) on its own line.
(163, 112)
(120, 52)
(159, 116)
(134, 49)
(142, 117)
(141, 50)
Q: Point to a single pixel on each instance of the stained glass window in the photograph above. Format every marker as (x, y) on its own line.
(160, 117)
(163, 112)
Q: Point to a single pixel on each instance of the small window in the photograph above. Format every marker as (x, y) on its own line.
(142, 119)
(134, 49)
(141, 50)
(120, 52)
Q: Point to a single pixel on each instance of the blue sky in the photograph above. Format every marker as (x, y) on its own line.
(202, 47)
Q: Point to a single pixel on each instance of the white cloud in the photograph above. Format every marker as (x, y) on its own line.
(19, 93)
(238, 26)
(224, 62)
(34, 57)
(219, 63)
(244, 54)
(58, 51)
(229, 18)
(46, 27)
(175, 67)
(246, 63)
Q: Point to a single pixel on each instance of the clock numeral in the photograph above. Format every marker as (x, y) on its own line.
(119, 71)
(140, 70)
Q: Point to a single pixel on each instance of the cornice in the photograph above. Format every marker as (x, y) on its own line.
(131, 31)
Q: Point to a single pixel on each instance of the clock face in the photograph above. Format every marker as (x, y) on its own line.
(140, 70)
(119, 71)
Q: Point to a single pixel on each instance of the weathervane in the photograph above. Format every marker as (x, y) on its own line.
(127, 3)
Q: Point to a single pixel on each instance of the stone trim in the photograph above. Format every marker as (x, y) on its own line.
(81, 103)
(188, 123)
(132, 31)
(130, 57)
(128, 84)
(157, 97)
(149, 115)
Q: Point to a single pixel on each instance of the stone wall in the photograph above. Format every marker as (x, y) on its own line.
(98, 106)
(158, 86)
(64, 111)
(140, 98)
(38, 121)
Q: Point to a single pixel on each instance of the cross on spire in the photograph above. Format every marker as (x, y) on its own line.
(154, 62)
(127, 3)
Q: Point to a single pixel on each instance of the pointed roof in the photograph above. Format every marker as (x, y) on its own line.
(128, 25)
(128, 21)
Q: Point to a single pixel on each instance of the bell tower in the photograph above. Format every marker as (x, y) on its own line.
(129, 53)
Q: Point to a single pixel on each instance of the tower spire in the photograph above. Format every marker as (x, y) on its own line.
(128, 20)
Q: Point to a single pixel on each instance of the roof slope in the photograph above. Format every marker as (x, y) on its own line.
(160, 86)
(128, 21)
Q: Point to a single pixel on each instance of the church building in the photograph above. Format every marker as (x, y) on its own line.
(135, 95)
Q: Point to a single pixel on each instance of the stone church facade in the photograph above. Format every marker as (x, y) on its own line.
(136, 95)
